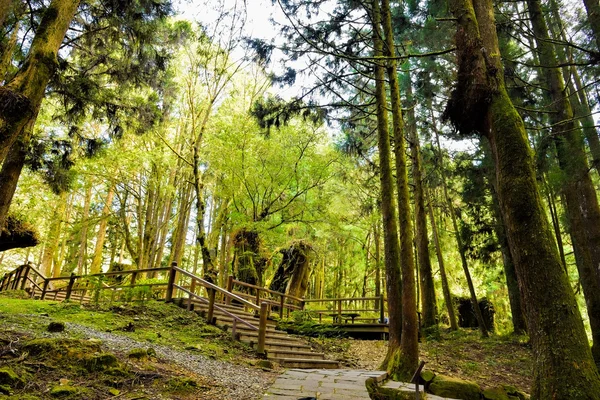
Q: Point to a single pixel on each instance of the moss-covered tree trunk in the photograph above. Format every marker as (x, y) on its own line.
(96, 264)
(293, 272)
(582, 208)
(248, 263)
(563, 363)
(403, 362)
(21, 97)
(391, 246)
(428, 299)
(514, 296)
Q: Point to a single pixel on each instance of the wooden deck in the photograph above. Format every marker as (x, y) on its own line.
(365, 331)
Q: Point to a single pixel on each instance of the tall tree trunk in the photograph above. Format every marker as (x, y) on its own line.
(428, 299)
(514, 296)
(377, 240)
(22, 96)
(96, 265)
(391, 243)
(593, 12)
(82, 257)
(563, 363)
(402, 364)
(11, 171)
(582, 207)
(53, 237)
(461, 248)
(443, 276)
(578, 100)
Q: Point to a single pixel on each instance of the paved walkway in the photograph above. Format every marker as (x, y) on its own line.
(322, 384)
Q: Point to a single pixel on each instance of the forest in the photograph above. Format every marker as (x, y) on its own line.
(429, 152)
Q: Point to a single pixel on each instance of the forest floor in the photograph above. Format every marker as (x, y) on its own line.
(490, 362)
(153, 351)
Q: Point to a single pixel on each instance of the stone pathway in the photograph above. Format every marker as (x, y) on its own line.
(322, 384)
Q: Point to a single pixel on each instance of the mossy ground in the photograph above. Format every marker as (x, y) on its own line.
(48, 363)
(490, 362)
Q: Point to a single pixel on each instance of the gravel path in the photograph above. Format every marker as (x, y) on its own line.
(242, 382)
(239, 382)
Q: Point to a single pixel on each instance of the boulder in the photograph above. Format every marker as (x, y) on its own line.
(454, 388)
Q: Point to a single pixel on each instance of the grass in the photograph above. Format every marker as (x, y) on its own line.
(70, 366)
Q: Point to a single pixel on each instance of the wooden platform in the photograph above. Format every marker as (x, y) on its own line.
(365, 331)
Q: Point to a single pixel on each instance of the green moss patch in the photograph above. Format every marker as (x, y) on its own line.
(454, 388)
(10, 379)
(63, 391)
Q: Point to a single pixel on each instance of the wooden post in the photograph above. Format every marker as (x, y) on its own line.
(15, 281)
(229, 288)
(339, 317)
(257, 296)
(171, 282)
(44, 288)
(192, 290)
(211, 305)
(262, 328)
(381, 310)
(133, 278)
(25, 275)
(234, 329)
(281, 301)
(70, 286)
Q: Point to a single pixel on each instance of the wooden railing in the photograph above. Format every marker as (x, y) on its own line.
(348, 308)
(285, 303)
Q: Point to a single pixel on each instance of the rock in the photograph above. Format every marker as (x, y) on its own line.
(455, 388)
(138, 353)
(114, 392)
(100, 362)
(514, 393)
(496, 393)
(427, 376)
(265, 364)
(9, 378)
(62, 391)
(55, 326)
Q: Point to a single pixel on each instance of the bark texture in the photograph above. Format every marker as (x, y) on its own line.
(563, 363)
(582, 208)
(391, 246)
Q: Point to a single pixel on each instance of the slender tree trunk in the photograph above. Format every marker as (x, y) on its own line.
(82, 258)
(461, 248)
(428, 299)
(563, 363)
(403, 364)
(388, 211)
(53, 237)
(377, 240)
(582, 207)
(96, 265)
(443, 276)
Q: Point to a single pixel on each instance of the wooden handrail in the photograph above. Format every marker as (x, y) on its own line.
(194, 295)
(342, 299)
(267, 290)
(126, 272)
(218, 289)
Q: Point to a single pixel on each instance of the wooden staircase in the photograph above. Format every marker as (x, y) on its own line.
(286, 350)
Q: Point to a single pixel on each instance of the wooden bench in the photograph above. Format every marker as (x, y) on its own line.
(345, 316)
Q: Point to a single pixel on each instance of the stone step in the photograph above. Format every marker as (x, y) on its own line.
(306, 363)
(308, 355)
(277, 345)
(252, 336)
